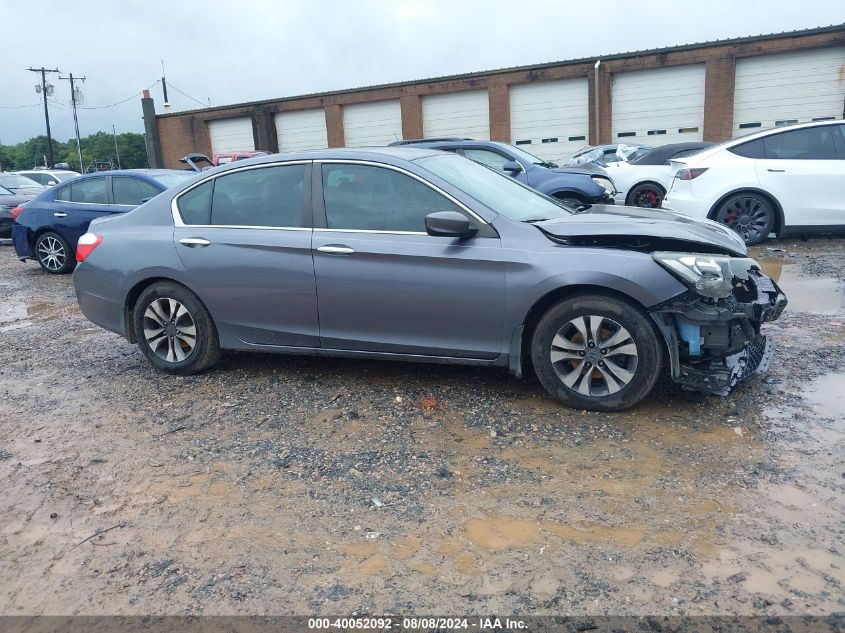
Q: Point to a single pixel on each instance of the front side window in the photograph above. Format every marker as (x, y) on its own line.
(267, 196)
(378, 199)
(90, 191)
(812, 143)
(132, 191)
(491, 159)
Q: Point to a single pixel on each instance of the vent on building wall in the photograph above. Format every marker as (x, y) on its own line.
(577, 138)
(528, 142)
(549, 140)
(655, 132)
(744, 126)
(623, 134)
(824, 118)
(785, 122)
(687, 130)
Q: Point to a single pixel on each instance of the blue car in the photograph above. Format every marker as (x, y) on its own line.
(576, 186)
(49, 226)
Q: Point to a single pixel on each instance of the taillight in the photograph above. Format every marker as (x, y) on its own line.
(689, 174)
(16, 212)
(86, 245)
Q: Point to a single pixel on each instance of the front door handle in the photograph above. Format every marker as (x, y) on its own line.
(779, 171)
(336, 250)
(60, 215)
(194, 242)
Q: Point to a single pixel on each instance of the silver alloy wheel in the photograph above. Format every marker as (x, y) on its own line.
(51, 253)
(169, 330)
(594, 356)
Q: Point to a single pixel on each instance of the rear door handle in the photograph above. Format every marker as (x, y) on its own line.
(60, 215)
(336, 250)
(194, 242)
(779, 171)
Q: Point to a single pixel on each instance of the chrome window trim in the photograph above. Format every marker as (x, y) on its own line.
(322, 230)
(177, 218)
(448, 196)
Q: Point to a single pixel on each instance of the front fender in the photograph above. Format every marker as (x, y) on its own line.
(570, 183)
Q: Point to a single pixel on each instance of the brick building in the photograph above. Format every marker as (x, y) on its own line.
(709, 91)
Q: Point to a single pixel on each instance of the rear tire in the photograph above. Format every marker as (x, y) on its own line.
(749, 214)
(597, 353)
(54, 254)
(646, 195)
(174, 330)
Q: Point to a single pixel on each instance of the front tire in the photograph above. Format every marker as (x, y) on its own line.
(597, 353)
(54, 254)
(749, 214)
(174, 330)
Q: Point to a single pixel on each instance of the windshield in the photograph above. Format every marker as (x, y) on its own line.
(14, 181)
(500, 193)
(171, 180)
(529, 158)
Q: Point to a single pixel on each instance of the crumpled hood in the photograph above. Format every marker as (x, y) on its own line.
(589, 169)
(657, 229)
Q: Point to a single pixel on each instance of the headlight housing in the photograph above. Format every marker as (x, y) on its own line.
(607, 183)
(709, 275)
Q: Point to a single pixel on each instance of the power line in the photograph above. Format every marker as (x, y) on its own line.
(73, 96)
(111, 105)
(28, 105)
(204, 105)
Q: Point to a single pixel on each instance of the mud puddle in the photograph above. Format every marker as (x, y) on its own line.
(817, 295)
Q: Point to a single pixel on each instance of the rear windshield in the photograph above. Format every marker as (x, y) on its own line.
(171, 180)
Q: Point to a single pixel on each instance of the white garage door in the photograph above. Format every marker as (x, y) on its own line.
(655, 107)
(302, 129)
(462, 114)
(789, 88)
(373, 124)
(550, 119)
(231, 135)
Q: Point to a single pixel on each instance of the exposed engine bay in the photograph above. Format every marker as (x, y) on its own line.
(716, 343)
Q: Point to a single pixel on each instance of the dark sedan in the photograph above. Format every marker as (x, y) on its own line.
(576, 186)
(20, 185)
(414, 254)
(8, 201)
(48, 227)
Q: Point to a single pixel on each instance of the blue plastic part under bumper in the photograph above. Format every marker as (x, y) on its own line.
(691, 335)
(20, 239)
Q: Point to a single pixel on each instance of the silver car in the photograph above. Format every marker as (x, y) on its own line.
(414, 254)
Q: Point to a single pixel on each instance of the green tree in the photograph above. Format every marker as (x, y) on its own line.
(98, 147)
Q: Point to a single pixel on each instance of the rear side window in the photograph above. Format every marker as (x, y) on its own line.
(195, 206)
(377, 199)
(269, 196)
(62, 194)
(90, 191)
(751, 149)
(132, 191)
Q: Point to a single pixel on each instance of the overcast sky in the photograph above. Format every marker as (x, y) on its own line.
(242, 50)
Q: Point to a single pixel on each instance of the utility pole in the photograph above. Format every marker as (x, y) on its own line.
(71, 78)
(116, 153)
(43, 90)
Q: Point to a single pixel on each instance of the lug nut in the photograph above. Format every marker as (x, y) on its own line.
(582, 353)
(589, 364)
(604, 351)
(601, 364)
(592, 344)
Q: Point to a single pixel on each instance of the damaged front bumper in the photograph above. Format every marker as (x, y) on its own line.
(716, 344)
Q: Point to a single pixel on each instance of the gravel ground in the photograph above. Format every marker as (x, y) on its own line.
(277, 485)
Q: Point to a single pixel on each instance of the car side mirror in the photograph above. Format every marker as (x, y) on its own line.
(51, 183)
(449, 224)
(512, 167)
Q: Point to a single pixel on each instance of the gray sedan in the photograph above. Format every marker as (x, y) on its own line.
(412, 254)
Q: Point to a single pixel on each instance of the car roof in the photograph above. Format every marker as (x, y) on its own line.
(659, 155)
(339, 153)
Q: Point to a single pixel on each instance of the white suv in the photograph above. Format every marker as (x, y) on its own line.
(48, 177)
(783, 180)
